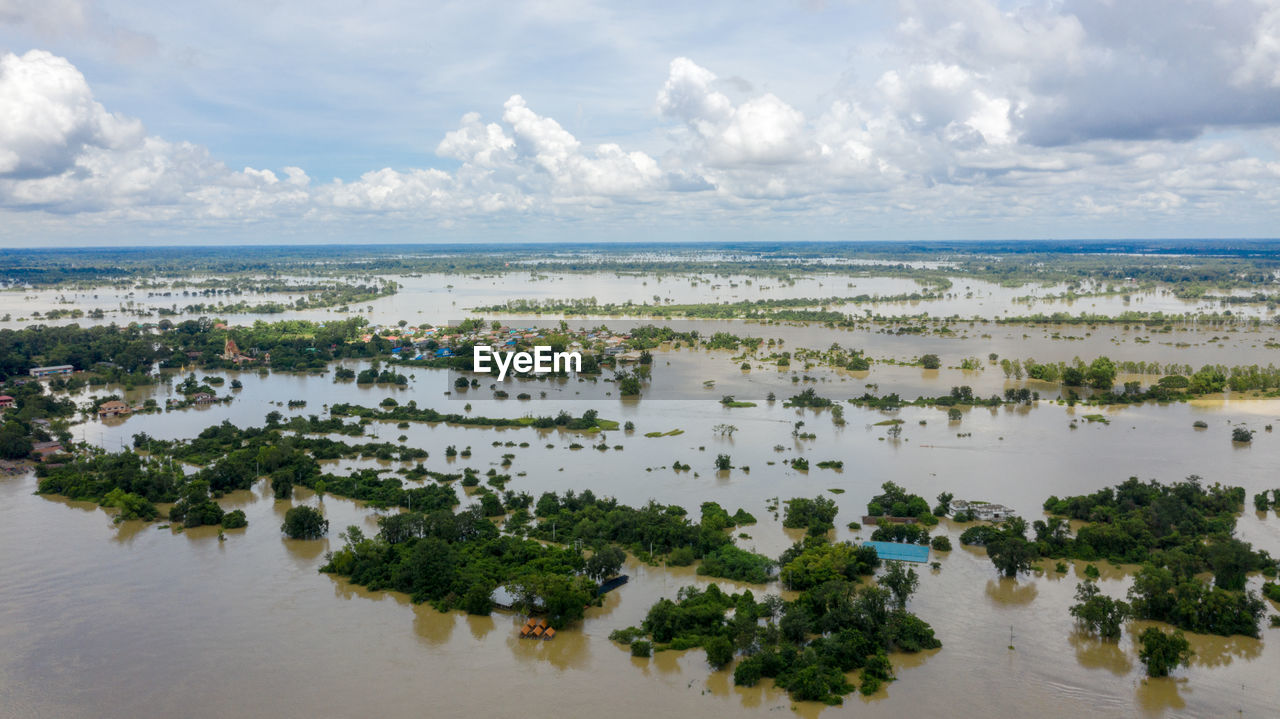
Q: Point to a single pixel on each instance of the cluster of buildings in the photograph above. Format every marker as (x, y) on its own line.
(537, 629)
(430, 342)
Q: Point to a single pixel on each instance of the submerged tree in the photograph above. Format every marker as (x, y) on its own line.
(1011, 555)
(1161, 652)
(605, 563)
(902, 581)
(1099, 613)
(304, 523)
(628, 384)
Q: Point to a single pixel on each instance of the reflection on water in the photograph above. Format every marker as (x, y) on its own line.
(127, 532)
(1093, 652)
(1214, 651)
(306, 550)
(433, 627)
(480, 626)
(1012, 591)
(1156, 697)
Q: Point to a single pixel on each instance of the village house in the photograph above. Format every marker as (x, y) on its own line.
(202, 398)
(53, 371)
(984, 511)
(113, 408)
(43, 450)
(6, 401)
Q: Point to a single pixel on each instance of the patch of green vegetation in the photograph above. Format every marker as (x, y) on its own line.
(410, 412)
(668, 433)
(808, 645)
(807, 398)
(816, 515)
(730, 562)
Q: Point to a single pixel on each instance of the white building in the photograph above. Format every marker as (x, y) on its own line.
(984, 511)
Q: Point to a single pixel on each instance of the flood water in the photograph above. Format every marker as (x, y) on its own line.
(98, 619)
(440, 298)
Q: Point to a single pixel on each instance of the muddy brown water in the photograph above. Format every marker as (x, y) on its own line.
(98, 619)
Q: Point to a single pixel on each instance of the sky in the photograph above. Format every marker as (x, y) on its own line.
(274, 121)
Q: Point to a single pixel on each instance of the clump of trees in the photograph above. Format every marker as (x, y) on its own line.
(604, 563)
(816, 515)
(131, 506)
(196, 508)
(808, 645)
(731, 562)
(1098, 613)
(815, 561)
(1184, 526)
(455, 561)
(1006, 545)
(628, 383)
(1163, 652)
(1187, 602)
(1176, 531)
(807, 398)
(410, 412)
(650, 531)
(304, 522)
(1262, 503)
(901, 532)
(235, 519)
(15, 441)
(96, 474)
(895, 501)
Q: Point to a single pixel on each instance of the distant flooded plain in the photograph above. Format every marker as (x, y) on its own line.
(99, 619)
(439, 298)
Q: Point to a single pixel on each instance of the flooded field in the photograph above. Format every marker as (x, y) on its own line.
(99, 619)
(439, 298)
